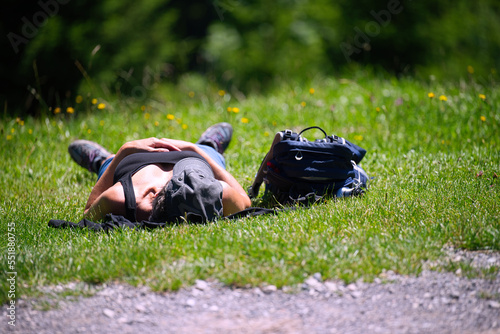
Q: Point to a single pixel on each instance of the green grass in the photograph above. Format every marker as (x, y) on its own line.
(435, 166)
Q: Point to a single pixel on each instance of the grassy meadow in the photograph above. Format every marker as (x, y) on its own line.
(433, 150)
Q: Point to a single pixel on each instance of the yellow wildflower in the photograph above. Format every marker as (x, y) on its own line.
(12, 130)
(57, 110)
(191, 94)
(266, 133)
(30, 131)
(377, 109)
(470, 69)
(147, 115)
(236, 110)
(483, 118)
(303, 104)
(184, 126)
(311, 91)
(229, 109)
(143, 108)
(89, 131)
(70, 110)
(9, 137)
(170, 117)
(358, 137)
(443, 98)
(482, 97)
(94, 101)
(101, 123)
(157, 123)
(431, 95)
(244, 120)
(222, 93)
(79, 99)
(101, 106)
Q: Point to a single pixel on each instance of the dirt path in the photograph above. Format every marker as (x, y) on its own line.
(431, 303)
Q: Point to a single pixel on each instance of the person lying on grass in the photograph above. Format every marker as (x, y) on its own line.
(162, 180)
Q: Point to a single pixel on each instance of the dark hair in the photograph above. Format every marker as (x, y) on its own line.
(159, 211)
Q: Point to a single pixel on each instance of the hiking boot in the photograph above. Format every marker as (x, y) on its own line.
(88, 154)
(217, 136)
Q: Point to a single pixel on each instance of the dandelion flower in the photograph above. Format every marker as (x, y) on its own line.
(184, 126)
(9, 137)
(30, 131)
(147, 115)
(229, 109)
(431, 95)
(191, 94)
(266, 133)
(236, 110)
(157, 123)
(101, 123)
(12, 130)
(244, 120)
(377, 109)
(70, 110)
(303, 104)
(57, 110)
(470, 69)
(89, 131)
(311, 91)
(170, 117)
(443, 98)
(222, 93)
(101, 106)
(483, 118)
(94, 101)
(79, 99)
(358, 137)
(143, 108)
(482, 97)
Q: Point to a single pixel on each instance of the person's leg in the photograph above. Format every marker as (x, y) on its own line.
(217, 136)
(212, 153)
(88, 154)
(104, 166)
(215, 140)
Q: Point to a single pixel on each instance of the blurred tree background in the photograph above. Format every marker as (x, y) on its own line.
(55, 49)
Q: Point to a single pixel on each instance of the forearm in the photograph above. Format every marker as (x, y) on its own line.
(106, 180)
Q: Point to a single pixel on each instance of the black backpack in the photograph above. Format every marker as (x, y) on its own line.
(296, 170)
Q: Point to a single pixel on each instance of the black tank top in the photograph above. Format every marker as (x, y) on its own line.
(131, 164)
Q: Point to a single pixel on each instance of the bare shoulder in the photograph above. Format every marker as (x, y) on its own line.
(112, 200)
(114, 197)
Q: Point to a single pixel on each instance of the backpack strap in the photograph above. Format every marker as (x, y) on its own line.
(253, 190)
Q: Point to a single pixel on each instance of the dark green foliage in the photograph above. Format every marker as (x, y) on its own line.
(126, 47)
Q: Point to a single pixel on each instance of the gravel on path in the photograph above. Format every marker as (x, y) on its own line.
(433, 302)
